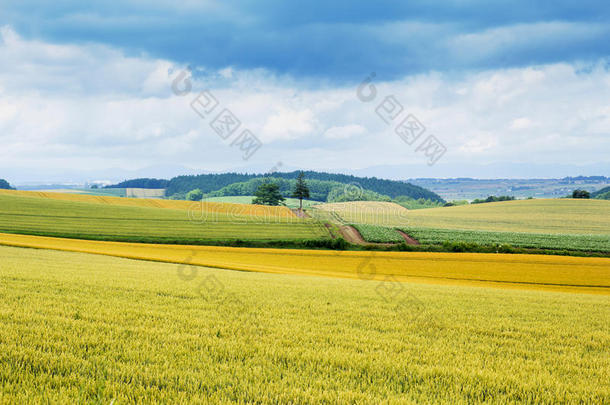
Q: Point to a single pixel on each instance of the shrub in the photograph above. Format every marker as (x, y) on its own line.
(194, 195)
(581, 194)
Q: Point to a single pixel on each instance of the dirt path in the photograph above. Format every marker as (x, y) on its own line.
(301, 214)
(410, 240)
(328, 227)
(352, 235)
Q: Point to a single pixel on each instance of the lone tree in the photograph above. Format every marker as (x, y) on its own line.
(581, 194)
(301, 190)
(268, 194)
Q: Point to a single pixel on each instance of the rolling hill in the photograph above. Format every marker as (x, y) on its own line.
(157, 221)
(558, 216)
(602, 194)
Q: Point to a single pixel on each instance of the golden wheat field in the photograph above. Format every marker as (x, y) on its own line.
(564, 273)
(82, 328)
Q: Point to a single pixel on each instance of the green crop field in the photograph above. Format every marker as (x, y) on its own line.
(595, 243)
(50, 217)
(380, 234)
(79, 328)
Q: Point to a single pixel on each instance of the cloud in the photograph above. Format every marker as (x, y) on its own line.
(530, 43)
(521, 123)
(336, 41)
(48, 68)
(344, 132)
(83, 105)
(288, 124)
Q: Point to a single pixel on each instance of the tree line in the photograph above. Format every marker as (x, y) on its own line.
(209, 183)
(4, 185)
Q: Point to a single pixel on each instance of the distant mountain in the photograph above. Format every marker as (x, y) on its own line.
(205, 182)
(141, 183)
(500, 170)
(32, 176)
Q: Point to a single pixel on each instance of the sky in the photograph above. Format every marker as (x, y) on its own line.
(86, 87)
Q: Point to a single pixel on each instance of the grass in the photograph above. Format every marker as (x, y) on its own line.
(378, 234)
(206, 223)
(96, 329)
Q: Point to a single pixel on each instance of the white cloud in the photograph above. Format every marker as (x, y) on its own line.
(344, 132)
(287, 124)
(521, 123)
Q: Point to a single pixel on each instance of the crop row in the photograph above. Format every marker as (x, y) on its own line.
(50, 217)
(378, 234)
(595, 243)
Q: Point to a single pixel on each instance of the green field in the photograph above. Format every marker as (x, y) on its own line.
(595, 243)
(290, 202)
(559, 216)
(378, 234)
(96, 329)
(113, 192)
(50, 217)
(564, 224)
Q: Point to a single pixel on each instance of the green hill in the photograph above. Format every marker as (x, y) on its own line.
(602, 194)
(320, 190)
(209, 183)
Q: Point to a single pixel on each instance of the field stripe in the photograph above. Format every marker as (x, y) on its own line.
(575, 274)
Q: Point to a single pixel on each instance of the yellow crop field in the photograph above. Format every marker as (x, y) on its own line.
(196, 207)
(583, 274)
(82, 328)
